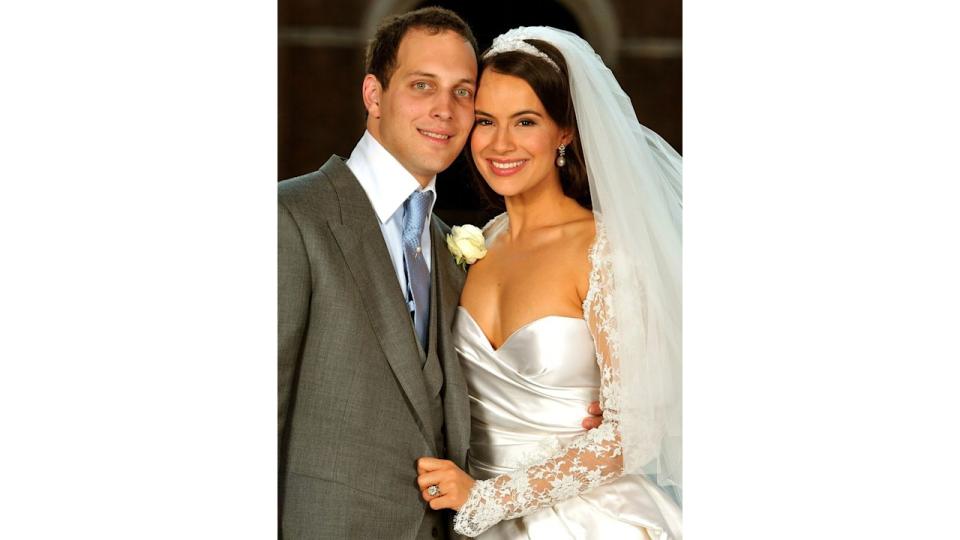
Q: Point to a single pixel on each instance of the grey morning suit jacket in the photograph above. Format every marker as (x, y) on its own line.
(356, 407)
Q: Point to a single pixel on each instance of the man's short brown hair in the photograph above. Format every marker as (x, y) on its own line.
(381, 57)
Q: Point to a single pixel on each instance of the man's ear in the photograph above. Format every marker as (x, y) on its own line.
(371, 95)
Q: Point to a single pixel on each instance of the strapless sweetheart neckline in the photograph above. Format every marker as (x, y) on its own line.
(522, 327)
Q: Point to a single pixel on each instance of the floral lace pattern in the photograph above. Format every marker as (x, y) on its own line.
(593, 458)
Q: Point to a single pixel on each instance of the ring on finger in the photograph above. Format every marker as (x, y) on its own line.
(433, 491)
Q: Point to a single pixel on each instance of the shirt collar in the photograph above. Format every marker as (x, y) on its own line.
(385, 181)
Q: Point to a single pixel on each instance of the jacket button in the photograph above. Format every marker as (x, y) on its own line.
(434, 532)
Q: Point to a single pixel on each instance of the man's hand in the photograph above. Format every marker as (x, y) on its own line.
(451, 485)
(596, 416)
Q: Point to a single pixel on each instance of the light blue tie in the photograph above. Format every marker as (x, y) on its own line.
(418, 275)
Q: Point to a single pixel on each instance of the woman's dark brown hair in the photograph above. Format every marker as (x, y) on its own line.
(553, 90)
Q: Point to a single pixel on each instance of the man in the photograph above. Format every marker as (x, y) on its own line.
(368, 378)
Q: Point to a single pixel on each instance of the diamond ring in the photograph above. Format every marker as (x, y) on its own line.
(433, 491)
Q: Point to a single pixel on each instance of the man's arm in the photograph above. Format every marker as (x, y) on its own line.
(293, 311)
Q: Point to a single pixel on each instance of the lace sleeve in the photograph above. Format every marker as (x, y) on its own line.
(592, 459)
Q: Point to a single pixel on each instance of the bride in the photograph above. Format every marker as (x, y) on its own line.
(578, 297)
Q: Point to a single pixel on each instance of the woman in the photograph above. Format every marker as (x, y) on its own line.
(570, 302)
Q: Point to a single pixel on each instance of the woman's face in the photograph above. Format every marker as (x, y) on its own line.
(514, 141)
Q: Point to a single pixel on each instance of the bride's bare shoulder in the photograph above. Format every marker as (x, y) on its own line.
(580, 235)
(581, 230)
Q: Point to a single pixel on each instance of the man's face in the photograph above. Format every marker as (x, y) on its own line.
(425, 115)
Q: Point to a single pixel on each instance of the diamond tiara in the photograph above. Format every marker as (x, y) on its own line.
(507, 43)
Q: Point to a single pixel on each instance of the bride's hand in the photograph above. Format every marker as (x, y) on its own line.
(454, 484)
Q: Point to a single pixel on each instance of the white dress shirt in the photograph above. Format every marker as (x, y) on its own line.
(388, 185)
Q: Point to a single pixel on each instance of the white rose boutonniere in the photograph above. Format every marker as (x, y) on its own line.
(467, 244)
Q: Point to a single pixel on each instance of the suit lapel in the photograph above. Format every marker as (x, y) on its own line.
(456, 405)
(449, 277)
(361, 242)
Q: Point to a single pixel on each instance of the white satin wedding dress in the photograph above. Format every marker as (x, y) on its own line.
(540, 474)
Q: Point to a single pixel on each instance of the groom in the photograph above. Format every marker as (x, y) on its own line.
(368, 378)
